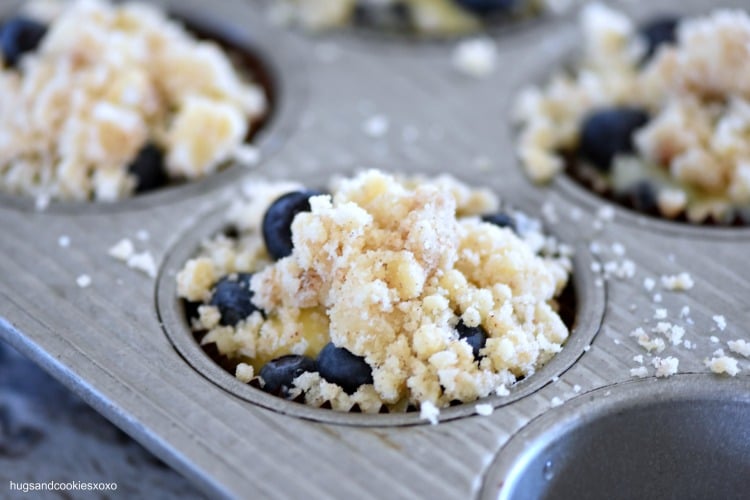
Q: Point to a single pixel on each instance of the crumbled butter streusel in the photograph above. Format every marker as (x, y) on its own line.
(723, 365)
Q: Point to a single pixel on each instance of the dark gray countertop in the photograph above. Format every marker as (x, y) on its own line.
(48, 434)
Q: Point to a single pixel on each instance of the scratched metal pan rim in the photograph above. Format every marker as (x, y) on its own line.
(563, 55)
(283, 76)
(654, 438)
(590, 303)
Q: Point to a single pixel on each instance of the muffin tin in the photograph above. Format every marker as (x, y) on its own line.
(122, 342)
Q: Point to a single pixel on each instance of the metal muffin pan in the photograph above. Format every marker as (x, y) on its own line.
(107, 342)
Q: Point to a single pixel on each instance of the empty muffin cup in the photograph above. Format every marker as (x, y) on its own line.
(684, 437)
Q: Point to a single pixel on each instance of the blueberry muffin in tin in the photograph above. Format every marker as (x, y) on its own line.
(656, 116)
(421, 17)
(99, 101)
(381, 294)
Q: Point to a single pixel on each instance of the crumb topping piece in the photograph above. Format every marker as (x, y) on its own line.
(723, 365)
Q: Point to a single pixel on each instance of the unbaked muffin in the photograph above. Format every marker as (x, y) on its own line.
(424, 17)
(655, 116)
(381, 293)
(99, 101)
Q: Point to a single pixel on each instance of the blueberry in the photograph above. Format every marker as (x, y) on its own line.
(18, 36)
(339, 366)
(148, 169)
(234, 299)
(486, 7)
(500, 219)
(277, 223)
(475, 336)
(659, 32)
(394, 16)
(608, 132)
(278, 374)
(642, 194)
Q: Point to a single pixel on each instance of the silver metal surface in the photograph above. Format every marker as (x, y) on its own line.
(107, 341)
(686, 437)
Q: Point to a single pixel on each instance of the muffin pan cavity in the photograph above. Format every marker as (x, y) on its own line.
(681, 438)
(434, 20)
(608, 136)
(581, 308)
(259, 54)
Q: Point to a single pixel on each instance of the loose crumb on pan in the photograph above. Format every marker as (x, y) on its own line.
(677, 283)
(376, 126)
(639, 372)
(122, 250)
(673, 333)
(428, 411)
(665, 367)
(740, 346)
(721, 322)
(555, 402)
(655, 344)
(484, 410)
(475, 57)
(143, 262)
(502, 391)
(606, 213)
(83, 281)
(723, 365)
